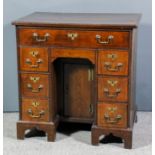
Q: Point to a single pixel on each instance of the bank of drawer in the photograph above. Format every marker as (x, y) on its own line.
(74, 38)
(35, 110)
(113, 62)
(113, 89)
(34, 85)
(112, 115)
(33, 59)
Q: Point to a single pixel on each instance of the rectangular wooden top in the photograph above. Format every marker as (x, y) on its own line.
(79, 19)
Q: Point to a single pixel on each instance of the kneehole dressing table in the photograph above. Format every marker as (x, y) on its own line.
(77, 67)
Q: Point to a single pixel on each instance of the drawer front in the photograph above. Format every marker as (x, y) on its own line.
(34, 59)
(74, 38)
(74, 53)
(113, 62)
(34, 85)
(112, 115)
(35, 110)
(112, 89)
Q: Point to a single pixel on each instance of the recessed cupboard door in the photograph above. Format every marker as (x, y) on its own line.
(78, 100)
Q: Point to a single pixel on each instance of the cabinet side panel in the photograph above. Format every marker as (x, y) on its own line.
(132, 104)
(18, 68)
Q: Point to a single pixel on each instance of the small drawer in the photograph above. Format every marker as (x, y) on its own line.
(34, 59)
(74, 38)
(35, 110)
(113, 89)
(112, 115)
(34, 85)
(113, 62)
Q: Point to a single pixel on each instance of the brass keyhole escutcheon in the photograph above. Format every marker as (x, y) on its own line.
(112, 82)
(112, 109)
(34, 79)
(35, 104)
(112, 56)
(72, 36)
(34, 53)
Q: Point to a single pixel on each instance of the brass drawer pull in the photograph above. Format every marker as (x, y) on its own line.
(112, 95)
(38, 38)
(31, 114)
(108, 41)
(39, 61)
(108, 67)
(112, 120)
(29, 86)
(72, 36)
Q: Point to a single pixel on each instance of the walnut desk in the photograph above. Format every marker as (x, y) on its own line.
(77, 67)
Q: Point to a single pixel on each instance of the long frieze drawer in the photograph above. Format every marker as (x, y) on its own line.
(34, 85)
(74, 38)
(112, 115)
(113, 62)
(35, 110)
(113, 89)
(33, 59)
